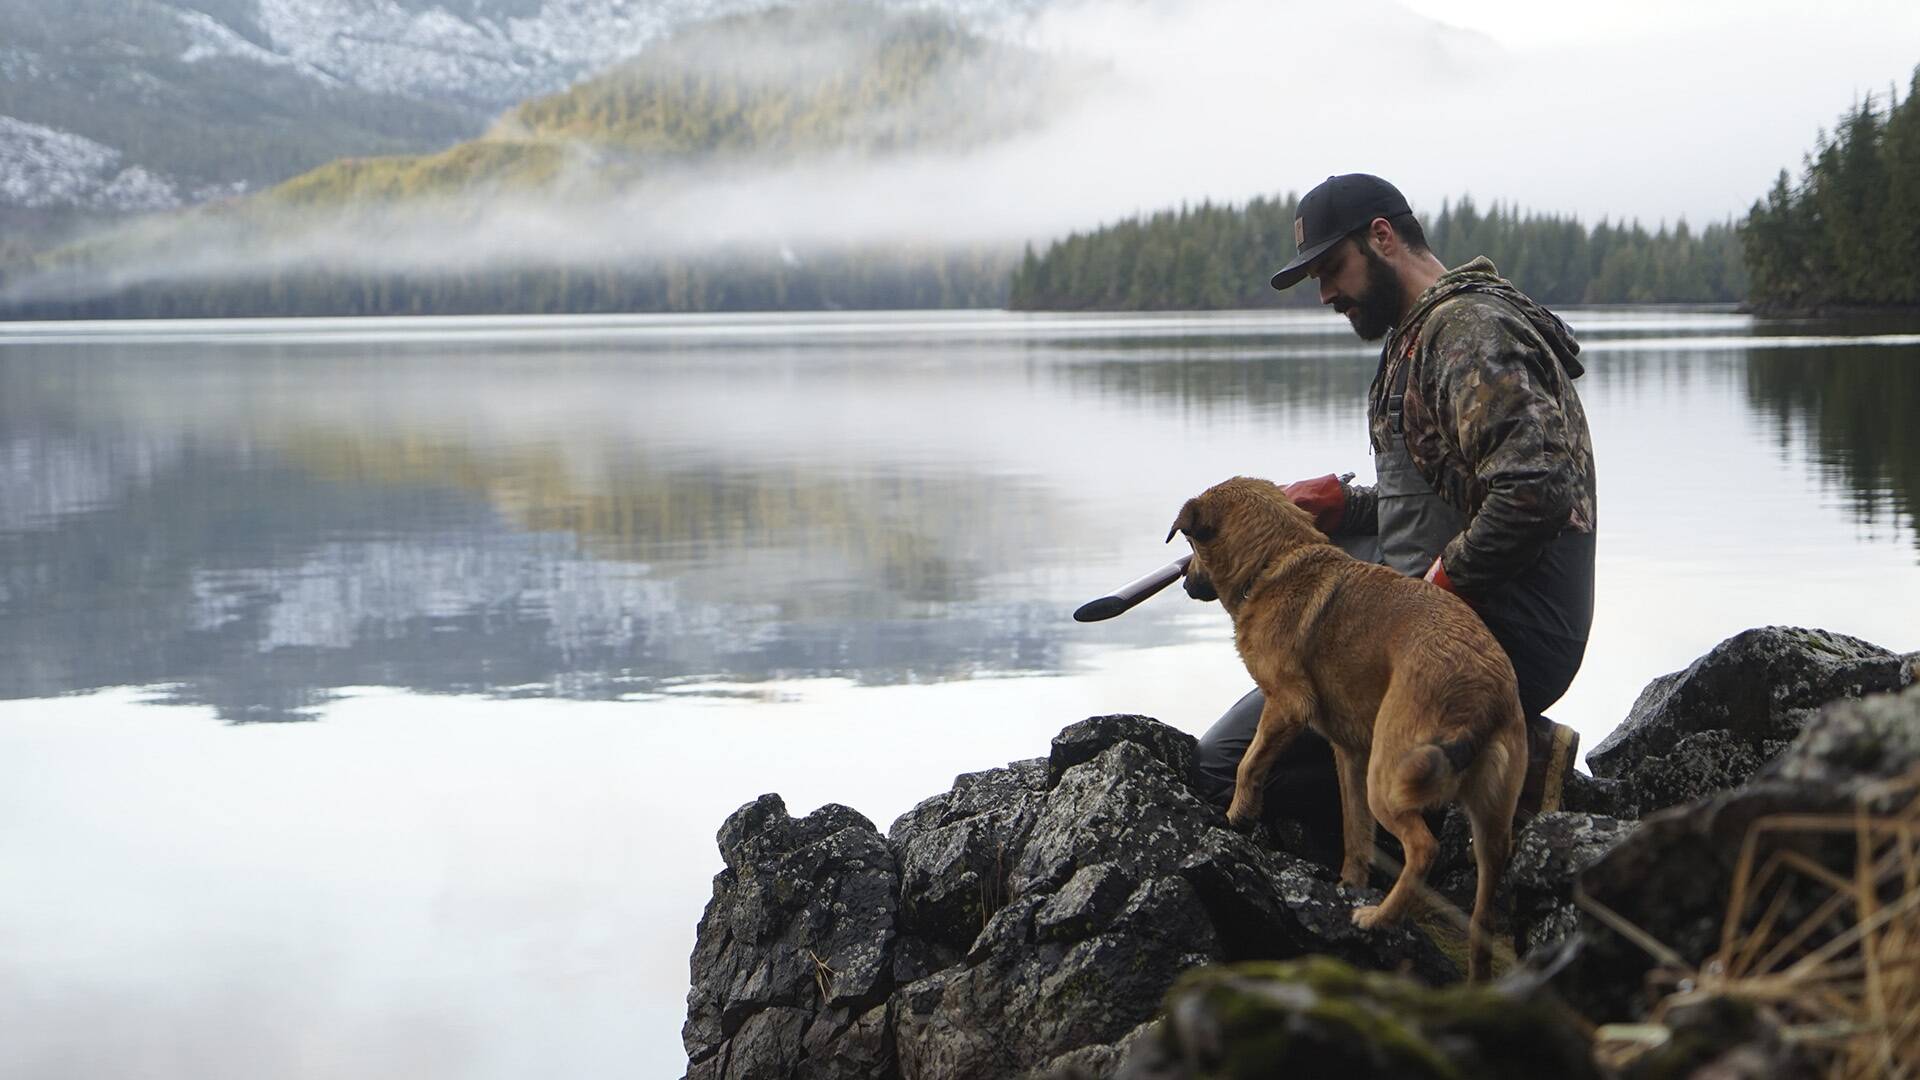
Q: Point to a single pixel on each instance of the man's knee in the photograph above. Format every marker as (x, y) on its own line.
(1544, 663)
(1217, 762)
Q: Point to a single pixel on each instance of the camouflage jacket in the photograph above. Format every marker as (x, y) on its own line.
(1491, 421)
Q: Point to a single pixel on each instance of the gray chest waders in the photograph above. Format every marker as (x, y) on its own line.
(1414, 522)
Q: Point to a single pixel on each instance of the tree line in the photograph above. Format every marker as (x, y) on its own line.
(1213, 256)
(1848, 234)
(872, 278)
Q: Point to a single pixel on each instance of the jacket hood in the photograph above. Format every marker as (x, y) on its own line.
(1480, 276)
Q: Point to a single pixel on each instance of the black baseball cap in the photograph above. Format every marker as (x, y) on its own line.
(1334, 208)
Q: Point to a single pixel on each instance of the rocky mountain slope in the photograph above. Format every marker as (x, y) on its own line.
(760, 89)
(128, 105)
(675, 180)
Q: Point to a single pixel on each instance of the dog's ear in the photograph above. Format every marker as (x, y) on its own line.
(1189, 522)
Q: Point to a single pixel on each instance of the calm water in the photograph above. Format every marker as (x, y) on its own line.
(370, 691)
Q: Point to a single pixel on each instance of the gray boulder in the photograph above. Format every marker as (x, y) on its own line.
(955, 852)
(1710, 727)
(1585, 794)
(1672, 876)
(1126, 880)
(795, 947)
(1088, 941)
(1091, 737)
(1027, 922)
(1548, 854)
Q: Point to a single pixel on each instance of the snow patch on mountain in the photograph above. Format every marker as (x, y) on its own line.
(209, 38)
(17, 65)
(391, 47)
(44, 167)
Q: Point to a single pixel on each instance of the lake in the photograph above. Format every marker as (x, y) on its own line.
(371, 690)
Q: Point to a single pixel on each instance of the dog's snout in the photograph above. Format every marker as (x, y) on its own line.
(1199, 585)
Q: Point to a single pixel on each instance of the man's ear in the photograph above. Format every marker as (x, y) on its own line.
(1189, 522)
(1381, 238)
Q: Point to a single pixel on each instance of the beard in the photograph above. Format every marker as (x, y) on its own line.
(1377, 308)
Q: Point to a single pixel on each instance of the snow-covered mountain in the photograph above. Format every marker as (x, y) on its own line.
(40, 167)
(487, 52)
(127, 105)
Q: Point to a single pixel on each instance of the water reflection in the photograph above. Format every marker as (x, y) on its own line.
(255, 518)
(256, 580)
(1301, 380)
(1859, 406)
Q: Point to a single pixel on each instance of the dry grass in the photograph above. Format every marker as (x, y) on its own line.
(1833, 957)
(823, 975)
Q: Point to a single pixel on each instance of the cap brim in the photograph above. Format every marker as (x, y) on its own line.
(1290, 274)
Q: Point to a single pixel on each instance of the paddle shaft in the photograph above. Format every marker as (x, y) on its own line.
(1126, 596)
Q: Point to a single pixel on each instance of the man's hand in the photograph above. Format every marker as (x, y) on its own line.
(1324, 497)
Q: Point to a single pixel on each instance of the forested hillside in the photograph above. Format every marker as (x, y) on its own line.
(1215, 256)
(1848, 234)
(733, 97)
(766, 88)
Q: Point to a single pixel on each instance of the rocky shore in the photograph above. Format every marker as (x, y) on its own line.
(1086, 914)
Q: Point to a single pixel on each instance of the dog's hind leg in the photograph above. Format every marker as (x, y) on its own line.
(1492, 843)
(1417, 842)
(1356, 817)
(1287, 710)
(1399, 808)
(1489, 801)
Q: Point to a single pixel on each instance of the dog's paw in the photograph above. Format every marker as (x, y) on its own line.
(1368, 917)
(1243, 815)
(1354, 877)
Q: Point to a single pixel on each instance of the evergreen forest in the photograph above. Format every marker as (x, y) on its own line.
(1847, 236)
(1214, 256)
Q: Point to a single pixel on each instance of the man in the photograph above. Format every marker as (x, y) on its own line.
(1486, 480)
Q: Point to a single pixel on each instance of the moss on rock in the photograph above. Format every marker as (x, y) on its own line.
(1319, 1016)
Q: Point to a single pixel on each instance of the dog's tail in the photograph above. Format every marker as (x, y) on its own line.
(1426, 772)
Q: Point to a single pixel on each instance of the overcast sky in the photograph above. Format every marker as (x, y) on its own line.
(1629, 110)
(1721, 94)
(1632, 108)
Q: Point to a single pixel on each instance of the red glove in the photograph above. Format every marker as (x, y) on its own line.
(1324, 497)
(1437, 574)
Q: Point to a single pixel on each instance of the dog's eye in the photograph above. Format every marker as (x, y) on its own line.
(1201, 533)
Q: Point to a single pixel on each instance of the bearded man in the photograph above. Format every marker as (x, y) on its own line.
(1485, 474)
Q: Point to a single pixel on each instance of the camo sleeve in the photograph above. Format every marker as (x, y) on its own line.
(1486, 376)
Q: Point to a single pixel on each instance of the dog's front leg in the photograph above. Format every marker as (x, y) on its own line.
(1356, 817)
(1288, 708)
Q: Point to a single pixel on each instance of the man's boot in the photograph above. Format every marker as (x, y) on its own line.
(1552, 750)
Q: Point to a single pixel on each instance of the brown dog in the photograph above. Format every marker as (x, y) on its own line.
(1401, 677)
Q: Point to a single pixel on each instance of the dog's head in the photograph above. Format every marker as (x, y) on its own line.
(1236, 528)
